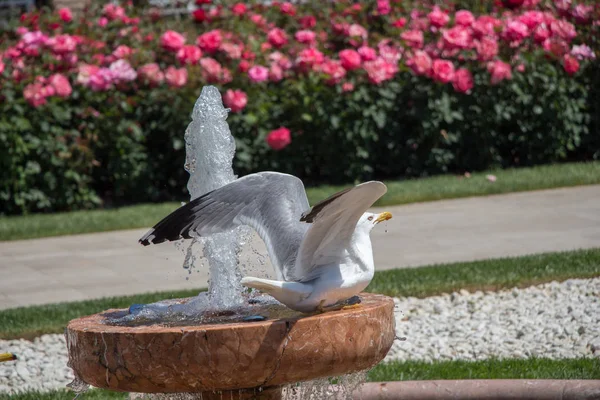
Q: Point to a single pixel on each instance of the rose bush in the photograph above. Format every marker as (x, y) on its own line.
(94, 105)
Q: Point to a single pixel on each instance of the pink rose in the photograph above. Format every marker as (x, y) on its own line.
(437, 17)
(389, 52)
(308, 21)
(151, 74)
(333, 70)
(244, 66)
(122, 71)
(563, 29)
(499, 71)
(172, 41)
(463, 80)
(357, 31)
(61, 85)
(350, 59)
(122, 51)
(279, 138)
(570, 64)
(176, 77)
(367, 53)
(239, 9)
(34, 95)
(236, 100)
(113, 11)
(1, 66)
(580, 52)
(399, 23)
(281, 60)
(101, 80)
(532, 19)
(458, 37)
(277, 37)
(443, 71)
(413, 38)
(556, 46)
(347, 87)
(383, 7)
(210, 41)
(420, 63)
(102, 22)
(583, 13)
(62, 44)
(487, 48)
(287, 8)
(232, 50)
(541, 33)
(212, 71)
(85, 72)
(308, 58)
(515, 31)
(258, 73)
(380, 70)
(485, 26)
(65, 14)
(275, 73)
(305, 36)
(189, 54)
(464, 18)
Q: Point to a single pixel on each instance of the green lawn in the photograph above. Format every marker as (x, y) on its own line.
(495, 274)
(399, 192)
(584, 368)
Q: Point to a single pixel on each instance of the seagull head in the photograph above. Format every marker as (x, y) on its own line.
(369, 220)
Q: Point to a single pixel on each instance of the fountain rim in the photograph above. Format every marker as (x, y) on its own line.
(369, 301)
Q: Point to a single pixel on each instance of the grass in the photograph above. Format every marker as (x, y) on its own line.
(29, 322)
(399, 192)
(582, 368)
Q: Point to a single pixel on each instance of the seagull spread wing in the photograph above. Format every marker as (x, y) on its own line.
(332, 223)
(271, 203)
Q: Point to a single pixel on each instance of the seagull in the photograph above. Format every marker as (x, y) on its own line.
(322, 255)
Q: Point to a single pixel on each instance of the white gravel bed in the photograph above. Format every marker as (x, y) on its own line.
(555, 320)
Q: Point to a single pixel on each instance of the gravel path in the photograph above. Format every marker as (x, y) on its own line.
(552, 320)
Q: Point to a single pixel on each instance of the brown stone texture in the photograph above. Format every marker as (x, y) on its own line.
(156, 359)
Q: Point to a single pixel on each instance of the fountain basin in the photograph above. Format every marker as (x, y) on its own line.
(230, 356)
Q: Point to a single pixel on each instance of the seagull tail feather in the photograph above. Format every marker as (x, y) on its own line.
(289, 293)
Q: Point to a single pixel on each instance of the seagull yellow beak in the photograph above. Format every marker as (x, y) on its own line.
(7, 357)
(384, 216)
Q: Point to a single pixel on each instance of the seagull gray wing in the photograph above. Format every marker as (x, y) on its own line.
(332, 223)
(269, 202)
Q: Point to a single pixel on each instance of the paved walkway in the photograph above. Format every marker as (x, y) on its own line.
(113, 263)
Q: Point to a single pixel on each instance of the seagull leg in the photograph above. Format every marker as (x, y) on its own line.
(352, 306)
(353, 302)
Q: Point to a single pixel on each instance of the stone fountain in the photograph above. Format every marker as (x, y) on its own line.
(225, 343)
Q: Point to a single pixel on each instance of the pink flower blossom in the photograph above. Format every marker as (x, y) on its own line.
(308, 58)
(243, 66)
(122, 71)
(383, 7)
(172, 41)
(275, 73)
(277, 37)
(541, 33)
(232, 50)
(33, 94)
(570, 64)
(350, 59)
(210, 41)
(357, 31)
(151, 74)
(442, 71)
(102, 80)
(457, 37)
(281, 60)
(308, 21)
(389, 52)
(485, 26)
(305, 36)
(487, 48)
(463, 80)
(189, 54)
(583, 13)
(367, 53)
(413, 38)
(347, 87)
(176, 77)
(65, 14)
(556, 46)
(563, 29)
(491, 178)
(532, 19)
(212, 71)
(499, 71)
(464, 18)
(62, 44)
(333, 70)
(1, 66)
(287, 8)
(258, 73)
(21, 30)
(61, 85)
(515, 31)
(113, 11)
(239, 9)
(581, 52)
(236, 100)
(437, 17)
(279, 138)
(199, 15)
(122, 51)
(380, 70)
(399, 23)
(34, 38)
(102, 22)
(259, 20)
(420, 63)
(85, 72)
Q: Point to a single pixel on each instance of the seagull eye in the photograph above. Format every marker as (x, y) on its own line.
(370, 218)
